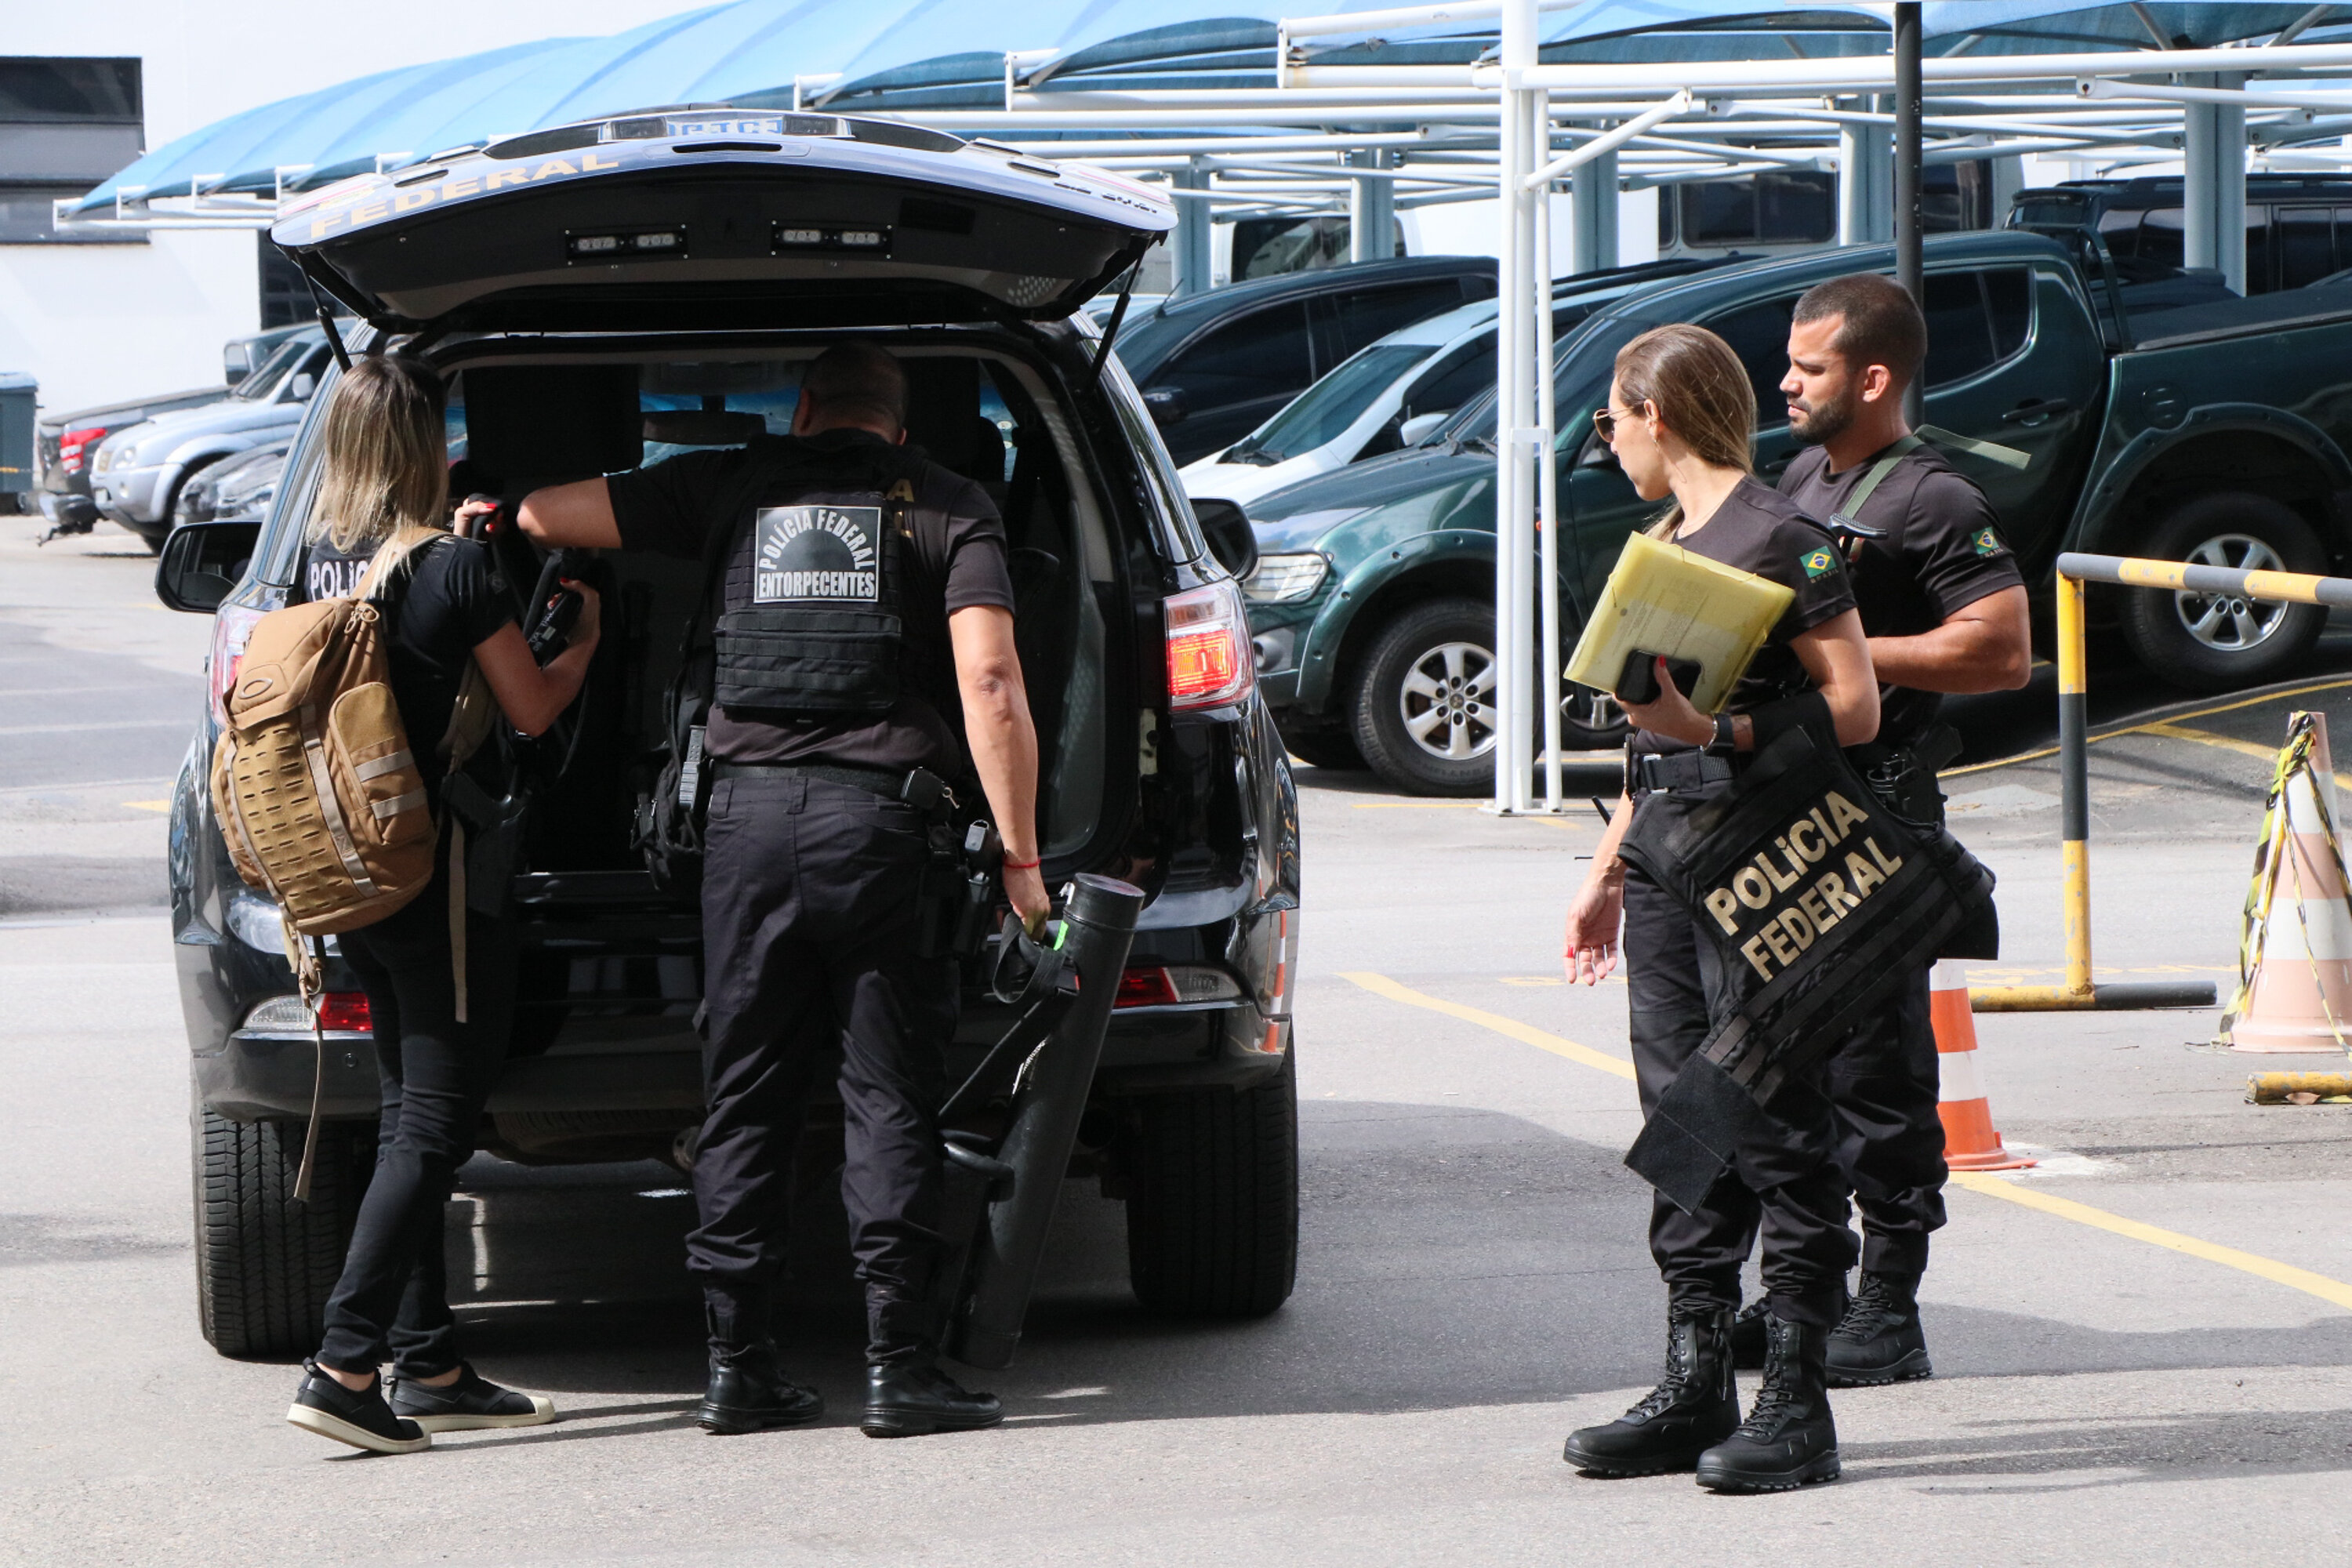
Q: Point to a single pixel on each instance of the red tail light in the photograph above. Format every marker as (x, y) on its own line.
(1146, 988)
(345, 1010)
(74, 446)
(1210, 664)
(231, 627)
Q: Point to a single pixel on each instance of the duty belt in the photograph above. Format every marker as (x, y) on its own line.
(919, 787)
(1683, 771)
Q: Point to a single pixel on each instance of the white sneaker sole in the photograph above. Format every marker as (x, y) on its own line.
(342, 1431)
(542, 1411)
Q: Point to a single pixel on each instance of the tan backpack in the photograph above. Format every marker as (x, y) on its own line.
(316, 789)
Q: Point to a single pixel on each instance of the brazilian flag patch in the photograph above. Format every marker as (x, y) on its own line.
(1988, 542)
(1819, 563)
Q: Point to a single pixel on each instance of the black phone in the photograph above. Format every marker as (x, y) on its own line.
(1638, 681)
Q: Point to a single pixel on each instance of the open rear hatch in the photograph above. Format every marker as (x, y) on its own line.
(726, 218)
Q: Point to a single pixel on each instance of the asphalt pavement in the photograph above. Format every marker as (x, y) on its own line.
(2143, 1345)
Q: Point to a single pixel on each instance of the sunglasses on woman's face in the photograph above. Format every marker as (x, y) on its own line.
(1605, 420)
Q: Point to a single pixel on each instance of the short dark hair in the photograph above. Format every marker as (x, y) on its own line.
(1882, 323)
(857, 382)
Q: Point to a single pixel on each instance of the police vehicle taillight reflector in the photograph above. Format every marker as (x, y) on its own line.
(625, 246)
(1210, 664)
(340, 1013)
(232, 629)
(1174, 985)
(865, 239)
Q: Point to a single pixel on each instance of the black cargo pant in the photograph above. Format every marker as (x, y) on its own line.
(437, 1075)
(1890, 1144)
(810, 902)
(1785, 1182)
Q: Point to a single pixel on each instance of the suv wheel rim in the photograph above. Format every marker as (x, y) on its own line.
(1595, 712)
(1447, 701)
(2230, 623)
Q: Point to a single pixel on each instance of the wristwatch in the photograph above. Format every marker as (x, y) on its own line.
(1723, 740)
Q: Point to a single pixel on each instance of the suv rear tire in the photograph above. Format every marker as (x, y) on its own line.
(1212, 1199)
(2199, 641)
(1430, 670)
(265, 1263)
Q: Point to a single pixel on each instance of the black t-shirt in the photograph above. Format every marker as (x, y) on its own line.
(1759, 529)
(952, 558)
(453, 601)
(1942, 552)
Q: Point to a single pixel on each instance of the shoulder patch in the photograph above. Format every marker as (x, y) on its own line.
(1988, 542)
(1818, 563)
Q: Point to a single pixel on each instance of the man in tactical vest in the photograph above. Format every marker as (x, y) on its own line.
(861, 598)
(1944, 606)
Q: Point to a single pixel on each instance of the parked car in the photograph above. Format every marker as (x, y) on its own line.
(2220, 435)
(142, 468)
(2298, 226)
(1215, 366)
(237, 487)
(561, 328)
(1392, 395)
(67, 443)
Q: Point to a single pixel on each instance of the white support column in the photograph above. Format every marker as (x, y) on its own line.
(1371, 209)
(1593, 215)
(1523, 115)
(1547, 518)
(1865, 181)
(2213, 208)
(1193, 220)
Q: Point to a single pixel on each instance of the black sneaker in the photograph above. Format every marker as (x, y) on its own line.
(907, 1399)
(469, 1404)
(362, 1419)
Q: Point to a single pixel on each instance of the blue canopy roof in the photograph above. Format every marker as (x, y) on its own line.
(901, 54)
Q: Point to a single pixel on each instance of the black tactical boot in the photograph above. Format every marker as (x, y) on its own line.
(1695, 1404)
(1879, 1341)
(1789, 1439)
(1747, 1335)
(908, 1399)
(750, 1392)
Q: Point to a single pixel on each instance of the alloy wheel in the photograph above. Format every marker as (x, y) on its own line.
(1447, 701)
(2230, 623)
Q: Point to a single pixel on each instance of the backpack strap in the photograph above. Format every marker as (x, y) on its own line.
(1845, 522)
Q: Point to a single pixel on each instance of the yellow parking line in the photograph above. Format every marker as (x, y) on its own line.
(2286, 1274)
(1528, 1034)
(2266, 755)
(2138, 729)
(2278, 1273)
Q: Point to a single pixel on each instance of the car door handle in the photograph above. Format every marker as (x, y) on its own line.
(2035, 410)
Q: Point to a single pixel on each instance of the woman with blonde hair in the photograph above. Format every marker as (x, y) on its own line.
(384, 498)
(1681, 420)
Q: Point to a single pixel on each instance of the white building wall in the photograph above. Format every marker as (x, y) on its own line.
(97, 323)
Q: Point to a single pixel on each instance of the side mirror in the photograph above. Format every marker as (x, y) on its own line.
(1413, 430)
(201, 562)
(1230, 538)
(300, 389)
(1166, 404)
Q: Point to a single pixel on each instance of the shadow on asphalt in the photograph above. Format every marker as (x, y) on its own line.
(1449, 1258)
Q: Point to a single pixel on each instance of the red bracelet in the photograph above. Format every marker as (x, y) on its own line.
(1021, 865)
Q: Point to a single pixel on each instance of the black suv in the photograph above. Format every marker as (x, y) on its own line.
(2298, 226)
(605, 294)
(1215, 366)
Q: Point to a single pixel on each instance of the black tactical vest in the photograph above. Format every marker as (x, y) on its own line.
(816, 628)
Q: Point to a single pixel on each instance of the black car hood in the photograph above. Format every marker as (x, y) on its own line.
(740, 218)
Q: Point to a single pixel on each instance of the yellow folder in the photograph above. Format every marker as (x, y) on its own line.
(1662, 599)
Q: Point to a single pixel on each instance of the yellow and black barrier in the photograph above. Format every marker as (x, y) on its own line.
(2074, 570)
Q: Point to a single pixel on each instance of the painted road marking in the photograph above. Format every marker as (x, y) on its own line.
(149, 804)
(2151, 725)
(2331, 1290)
(2267, 755)
(1526, 1034)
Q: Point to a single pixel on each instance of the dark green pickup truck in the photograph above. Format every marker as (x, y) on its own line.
(2217, 433)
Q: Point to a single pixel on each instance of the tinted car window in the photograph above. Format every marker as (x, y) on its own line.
(1759, 334)
(1455, 380)
(1363, 319)
(1333, 403)
(1251, 356)
(2160, 237)
(2305, 238)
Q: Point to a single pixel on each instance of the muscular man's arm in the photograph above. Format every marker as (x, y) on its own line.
(1003, 743)
(580, 513)
(1983, 647)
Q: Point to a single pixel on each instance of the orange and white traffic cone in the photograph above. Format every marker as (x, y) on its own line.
(1970, 1141)
(2296, 980)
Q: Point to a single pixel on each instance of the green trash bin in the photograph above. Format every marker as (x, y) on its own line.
(17, 393)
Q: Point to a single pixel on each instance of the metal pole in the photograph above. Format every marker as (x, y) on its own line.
(2229, 185)
(1514, 345)
(2201, 157)
(1194, 231)
(1592, 214)
(1547, 518)
(1909, 265)
(2074, 786)
(1372, 210)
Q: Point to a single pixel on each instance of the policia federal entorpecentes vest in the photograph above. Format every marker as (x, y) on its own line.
(807, 622)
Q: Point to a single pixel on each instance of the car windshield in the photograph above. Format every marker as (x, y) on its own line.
(262, 384)
(1474, 425)
(1325, 410)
